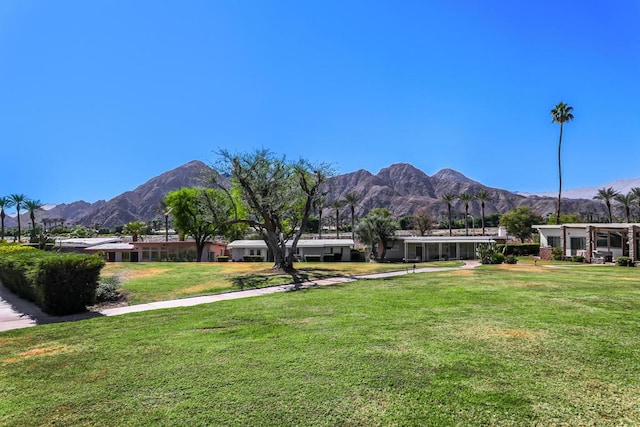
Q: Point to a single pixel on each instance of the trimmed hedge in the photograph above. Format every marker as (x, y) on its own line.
(313, 258)
(223, 258)
(253, 258)
(519, 249)
(58, 283)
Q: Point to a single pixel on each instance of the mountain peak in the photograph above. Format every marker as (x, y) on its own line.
(453, 175)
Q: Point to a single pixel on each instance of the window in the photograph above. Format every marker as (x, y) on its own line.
(126, 256)
(553, 241)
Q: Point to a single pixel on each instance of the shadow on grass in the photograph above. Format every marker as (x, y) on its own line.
(296, 277)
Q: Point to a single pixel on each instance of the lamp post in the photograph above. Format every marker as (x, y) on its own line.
(473, 223)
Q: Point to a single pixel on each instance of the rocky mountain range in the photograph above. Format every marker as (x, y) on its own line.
(402, 188)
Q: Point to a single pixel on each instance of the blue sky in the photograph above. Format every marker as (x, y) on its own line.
(99, 96)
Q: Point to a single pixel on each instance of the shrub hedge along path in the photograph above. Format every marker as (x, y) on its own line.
(16, 313)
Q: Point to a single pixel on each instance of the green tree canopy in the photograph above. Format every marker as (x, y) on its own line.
(607, 195)
(201, 213)
(378, 227)
(278, 196)
(519, 222)
(135, 229)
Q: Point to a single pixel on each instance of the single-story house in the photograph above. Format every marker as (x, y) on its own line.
(596, 242)
(239, 249)
(437, 248)
(79, 244)
(158, 251)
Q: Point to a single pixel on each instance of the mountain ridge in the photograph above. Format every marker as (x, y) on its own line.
(400, 187)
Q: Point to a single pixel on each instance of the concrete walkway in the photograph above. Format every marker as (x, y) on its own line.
(16, 313)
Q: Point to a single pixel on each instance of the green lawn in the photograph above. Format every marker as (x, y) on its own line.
(146, 282)
(499, 345)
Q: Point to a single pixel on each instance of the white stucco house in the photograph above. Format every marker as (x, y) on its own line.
(238, 249)
(596, 242)
(437, 248)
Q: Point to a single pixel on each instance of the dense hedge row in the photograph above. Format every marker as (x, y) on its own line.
(8, 248)
(60, 284)
(519, 249)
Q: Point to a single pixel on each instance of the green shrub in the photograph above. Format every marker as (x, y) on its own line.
(497, 258)
(58, 283)
(557, 254)
(108, 289)
(577, 258)
(485, 251)
(510, 259)
(357, 256)
(520, 249)
(313, 258)
(253, 258)
(331, 257)
(624, 261)
(223, 258)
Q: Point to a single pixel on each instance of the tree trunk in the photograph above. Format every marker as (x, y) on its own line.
(166, 228)
(450, 234)
(559, 177)
(482, 206)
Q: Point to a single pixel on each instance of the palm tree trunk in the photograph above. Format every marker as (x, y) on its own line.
(482, 206)
(559, 176)
(450, 233)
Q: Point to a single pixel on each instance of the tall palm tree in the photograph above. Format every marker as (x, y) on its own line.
(483, 196)
(636, 194)
(607, 194)
(319, 204)
(352, 200)
(466, 198)
(561, 113)
(337, 205)
(449, 199)
(19, 203)
(32, 206)
(5, 203)
(626, 200)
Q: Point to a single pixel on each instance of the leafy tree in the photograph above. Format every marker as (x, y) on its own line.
(483, 196)
(32, 206)
(565, 219)
(607, 195)
(466, 199)
(136, 229)
(352, 200)
(519, 222)
(80, 231)
(449, 199)
(378, 227)
(18, 200)
(5, 203)
(422, 220)
(201, 213)
(337, 205)
(561, 113)
(626, 200)
(278, 196)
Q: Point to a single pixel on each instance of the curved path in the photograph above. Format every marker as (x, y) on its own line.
(16, 313)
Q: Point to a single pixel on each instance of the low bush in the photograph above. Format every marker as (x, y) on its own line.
(313, 258)
(108, 289)
(8, 248)
(520, 249)
(577, 258)
(510, 259)
(223, 258)
(624, 261)
(253, 258)
(557, 254)
(331, 257)
(357, 256)
(58, 283)
(497, 258)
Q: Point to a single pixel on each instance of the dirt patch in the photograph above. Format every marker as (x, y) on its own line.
(38, 352)
(485, 332)
(145, 273)
(462, 273)
(524, 267)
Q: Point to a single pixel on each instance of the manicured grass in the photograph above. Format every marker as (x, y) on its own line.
(499, 345)
(146, 282)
